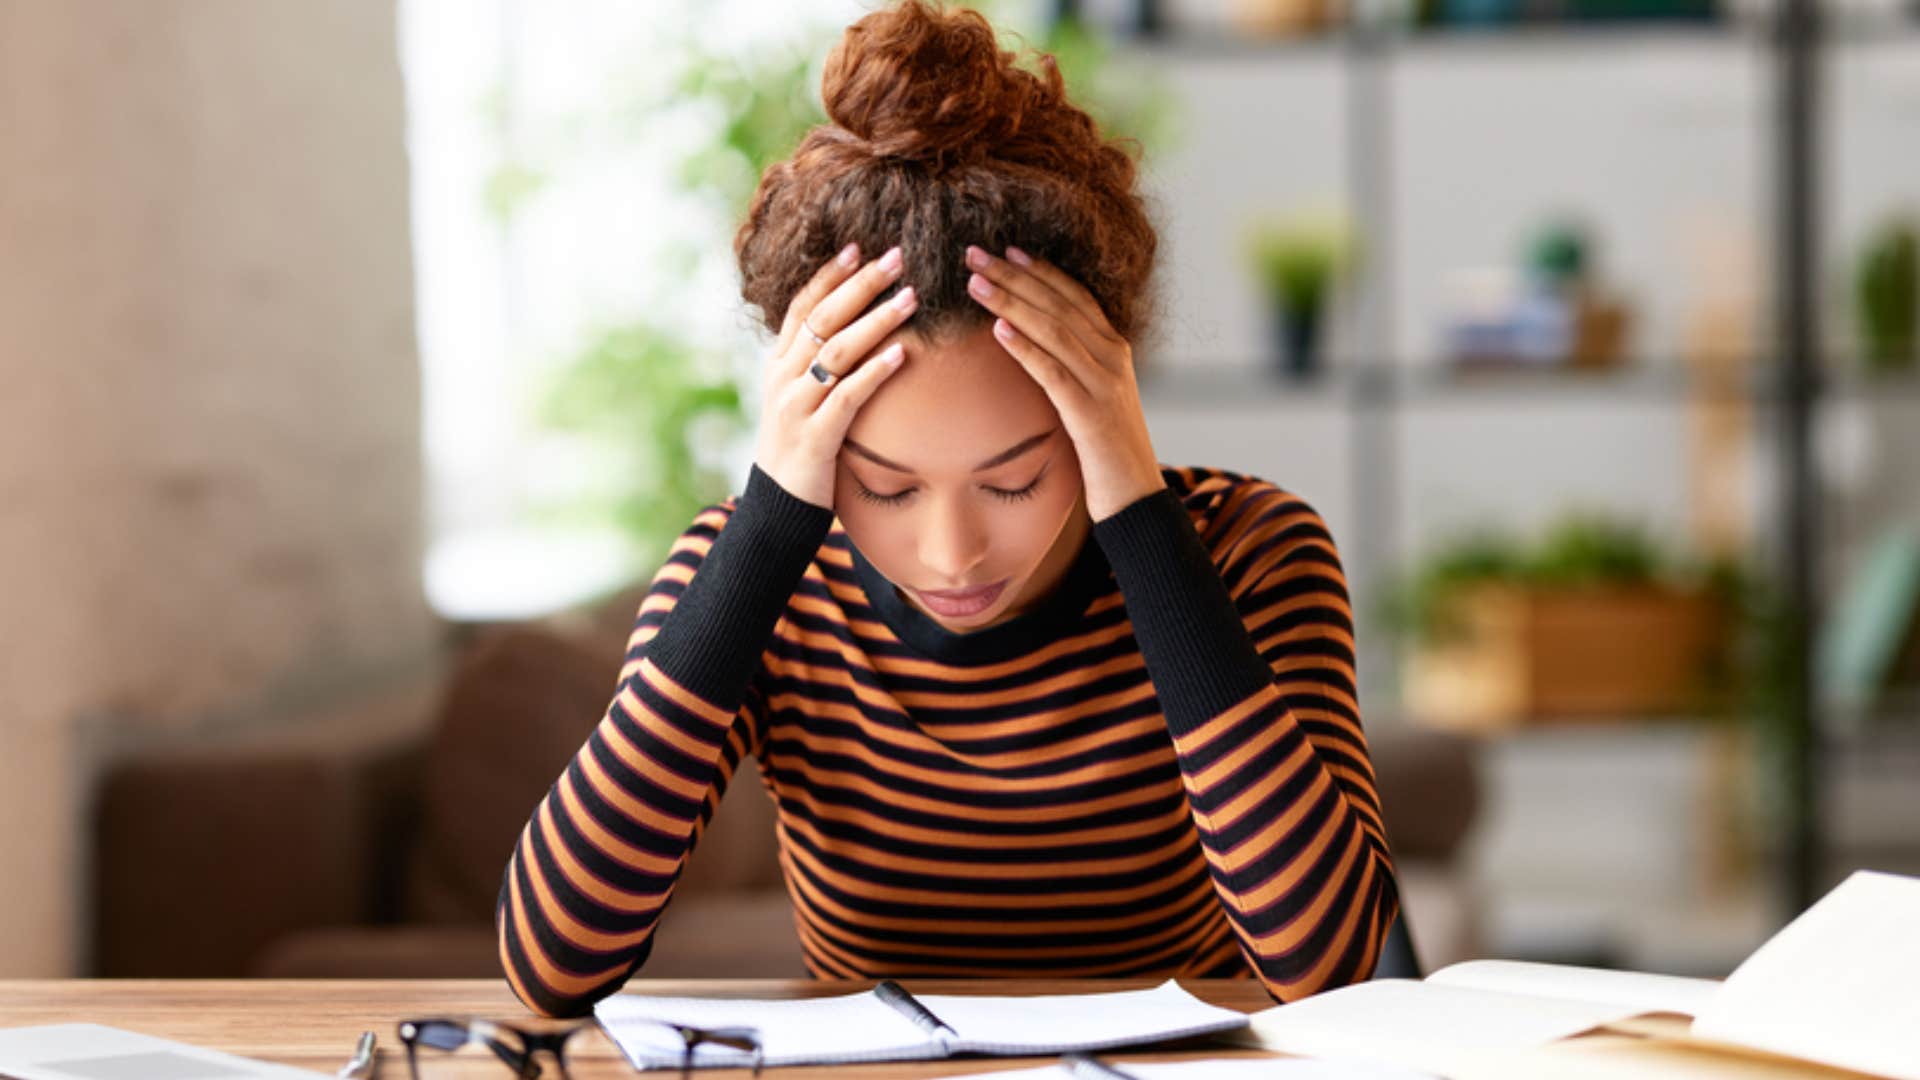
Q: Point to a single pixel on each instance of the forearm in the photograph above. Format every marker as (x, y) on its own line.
(1197, 650)
(1268, 736)
(597, 861)
(710, 639)
(594, 867)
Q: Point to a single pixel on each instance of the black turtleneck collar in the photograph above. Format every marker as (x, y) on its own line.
(1051, 619)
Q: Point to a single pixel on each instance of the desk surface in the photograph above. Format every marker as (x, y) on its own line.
(313, 1024)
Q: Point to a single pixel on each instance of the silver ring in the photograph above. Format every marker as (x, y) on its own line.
(817, 339)
(821, 373)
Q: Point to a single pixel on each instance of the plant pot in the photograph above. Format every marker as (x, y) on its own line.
(1525, 655)
(1296, 339)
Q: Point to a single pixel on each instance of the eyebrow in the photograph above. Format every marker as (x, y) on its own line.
(1000, 458)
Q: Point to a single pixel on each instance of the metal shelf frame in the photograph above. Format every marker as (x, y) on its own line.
(1791, 386)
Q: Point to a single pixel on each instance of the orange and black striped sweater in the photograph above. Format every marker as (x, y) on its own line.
(1159, 769)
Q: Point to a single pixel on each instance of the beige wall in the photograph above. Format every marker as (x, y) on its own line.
(209, 396)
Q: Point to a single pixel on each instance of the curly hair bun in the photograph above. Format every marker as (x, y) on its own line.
(919, 83)
(937, 139)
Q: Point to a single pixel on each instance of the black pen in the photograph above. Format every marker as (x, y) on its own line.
(1088, 1067)
(896, 995)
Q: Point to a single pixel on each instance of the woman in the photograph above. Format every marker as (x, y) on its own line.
(1028, 702)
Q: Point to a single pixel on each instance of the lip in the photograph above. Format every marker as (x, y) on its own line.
(961, 602)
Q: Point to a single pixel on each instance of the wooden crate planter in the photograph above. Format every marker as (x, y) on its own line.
(1529, 654)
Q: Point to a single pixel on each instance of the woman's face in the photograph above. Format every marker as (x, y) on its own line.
(980, 483)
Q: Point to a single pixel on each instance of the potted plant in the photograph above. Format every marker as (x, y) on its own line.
(1297, 259)
(1593, 621)
(1887, 293)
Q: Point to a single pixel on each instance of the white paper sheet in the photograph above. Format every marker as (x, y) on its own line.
(1423, 1025)
(1640, 991)
(847, 1027)
(1839, 985)
(1009, 1025)
(98, 1052)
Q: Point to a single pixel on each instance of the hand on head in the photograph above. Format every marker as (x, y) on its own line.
(1056, 329)
(824, 368)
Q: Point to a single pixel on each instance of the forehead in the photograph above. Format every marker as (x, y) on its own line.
(953, 405)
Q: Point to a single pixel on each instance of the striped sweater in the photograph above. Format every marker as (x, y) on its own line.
(1159, 769)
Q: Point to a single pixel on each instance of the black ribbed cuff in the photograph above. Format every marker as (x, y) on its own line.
(711, 641)
(1198, 653)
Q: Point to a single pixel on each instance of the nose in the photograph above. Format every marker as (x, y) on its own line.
(952, 544)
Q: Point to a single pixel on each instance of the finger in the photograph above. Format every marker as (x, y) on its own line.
(843, 351)
(829, 275)
(1040, 325)
(846, 301)
(1067, 286)
(1060, 384)
(1037, 291)
(849, 394)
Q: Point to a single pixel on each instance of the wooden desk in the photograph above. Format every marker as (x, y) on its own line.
(313, 1024)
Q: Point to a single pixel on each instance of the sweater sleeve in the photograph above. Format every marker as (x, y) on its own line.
(1247, 635)
(596, 863)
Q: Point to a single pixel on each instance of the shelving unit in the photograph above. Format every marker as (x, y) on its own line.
(1790, 385)
(1228, 386)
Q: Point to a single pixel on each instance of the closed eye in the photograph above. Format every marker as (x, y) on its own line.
(899, 497)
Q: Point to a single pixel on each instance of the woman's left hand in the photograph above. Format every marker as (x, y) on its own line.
(1055, 329)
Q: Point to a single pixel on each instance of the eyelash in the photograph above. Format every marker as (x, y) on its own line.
(899, 497)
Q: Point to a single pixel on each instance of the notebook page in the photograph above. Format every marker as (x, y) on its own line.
(1051, 1024)
(1839, 985)
(1423, 1025)
(841, 1028)
(1634, 989)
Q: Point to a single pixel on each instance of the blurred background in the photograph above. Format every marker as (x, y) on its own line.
(362, 358)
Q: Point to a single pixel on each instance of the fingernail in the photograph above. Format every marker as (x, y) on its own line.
(904, 299)
(979, 286)
(893, 355)
(891, 260)
(1002, 328)
(1018, 257)
(976, 258)
(850, 256)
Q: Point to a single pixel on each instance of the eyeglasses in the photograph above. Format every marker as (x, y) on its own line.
(518, 1046)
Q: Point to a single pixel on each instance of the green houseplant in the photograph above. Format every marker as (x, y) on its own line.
(666, 402)
(1593, 618)
(1297, 258)
(1887, 294)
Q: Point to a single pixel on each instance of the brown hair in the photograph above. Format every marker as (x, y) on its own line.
(937, 139)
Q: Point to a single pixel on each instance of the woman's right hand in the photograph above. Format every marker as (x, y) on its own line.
(803, 422)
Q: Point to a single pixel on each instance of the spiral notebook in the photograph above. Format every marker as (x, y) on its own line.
(888, 1024)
